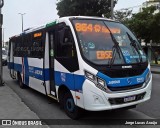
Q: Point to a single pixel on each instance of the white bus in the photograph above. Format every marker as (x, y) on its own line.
(83, 62)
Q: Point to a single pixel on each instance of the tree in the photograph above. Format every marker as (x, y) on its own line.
(155, 28)
(146, 25)
(122, 15)
(84, 7)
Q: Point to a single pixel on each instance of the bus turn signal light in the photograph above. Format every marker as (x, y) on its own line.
(78, 97)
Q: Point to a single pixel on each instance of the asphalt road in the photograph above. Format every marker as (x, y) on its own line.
(152, 107)
(47, 108)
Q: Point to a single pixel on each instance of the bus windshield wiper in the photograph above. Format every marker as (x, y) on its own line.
(114, 49)
(134, 45)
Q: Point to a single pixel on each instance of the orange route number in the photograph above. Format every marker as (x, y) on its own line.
(84, 27)
(101, 55)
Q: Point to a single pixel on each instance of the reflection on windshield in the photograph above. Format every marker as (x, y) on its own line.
(130, 53)
(97, 44)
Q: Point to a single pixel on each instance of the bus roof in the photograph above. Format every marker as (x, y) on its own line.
(87, 17)
(57, 21)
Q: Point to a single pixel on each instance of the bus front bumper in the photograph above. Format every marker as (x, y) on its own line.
(97, 100)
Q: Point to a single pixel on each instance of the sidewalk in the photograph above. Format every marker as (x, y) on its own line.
(11, 107)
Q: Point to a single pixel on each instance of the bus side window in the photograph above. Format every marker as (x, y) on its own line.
(65, 44)
(36, 46)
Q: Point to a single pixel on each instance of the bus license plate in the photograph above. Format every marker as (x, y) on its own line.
(130, 98)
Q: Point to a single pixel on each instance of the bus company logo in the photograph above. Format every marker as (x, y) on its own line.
(129, 80)
(130, 66)
(63, 77)
(6, 122)
(114, 82)
(126, 53)
(140, 80)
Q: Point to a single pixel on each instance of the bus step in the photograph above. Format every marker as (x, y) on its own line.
(51, 96)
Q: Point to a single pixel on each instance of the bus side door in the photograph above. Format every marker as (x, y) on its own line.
(11, 59)
(51, 62)
(66, 61)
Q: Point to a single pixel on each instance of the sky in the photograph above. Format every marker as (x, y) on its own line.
(39, 12)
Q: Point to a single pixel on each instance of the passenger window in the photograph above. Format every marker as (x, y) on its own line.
(65, 44)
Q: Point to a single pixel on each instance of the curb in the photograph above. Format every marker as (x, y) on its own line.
(155, 65)
(155, 72)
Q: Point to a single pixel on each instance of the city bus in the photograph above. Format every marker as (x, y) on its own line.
(85, 63)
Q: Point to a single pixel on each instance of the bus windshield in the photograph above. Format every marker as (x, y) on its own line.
(102, 41)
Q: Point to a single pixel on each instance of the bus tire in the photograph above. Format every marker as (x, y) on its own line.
(70, 108)
(21, 85)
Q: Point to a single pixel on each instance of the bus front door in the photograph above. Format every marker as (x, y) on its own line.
(51, 63)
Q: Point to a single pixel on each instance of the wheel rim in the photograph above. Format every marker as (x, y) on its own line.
(70, 105)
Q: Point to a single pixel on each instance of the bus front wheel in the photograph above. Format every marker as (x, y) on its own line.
(70, 108)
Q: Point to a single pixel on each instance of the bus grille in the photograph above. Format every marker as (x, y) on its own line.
(125, 88)
(121, 73)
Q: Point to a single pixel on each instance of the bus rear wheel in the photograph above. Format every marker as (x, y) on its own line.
(70, 108)
(21, 85)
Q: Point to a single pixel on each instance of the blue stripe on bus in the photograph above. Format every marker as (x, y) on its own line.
(26, 73)
(46, 75)
(79, 80)
(10, 65)
(76, 81)
(73, 82)
(122, 82)
(17, 67)
(65, 79)
(37, 73)
(30, 71)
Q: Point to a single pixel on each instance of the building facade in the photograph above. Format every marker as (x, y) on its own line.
(149, 3)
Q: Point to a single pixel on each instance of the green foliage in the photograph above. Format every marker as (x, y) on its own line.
(122, 15)
(84, 7)
(146, 24)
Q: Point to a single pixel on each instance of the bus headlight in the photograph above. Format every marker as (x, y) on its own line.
(100, 82)
(148, 77)
(90, 76)
(96, 80)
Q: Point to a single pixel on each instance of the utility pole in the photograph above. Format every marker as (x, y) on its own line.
(3, 39)
(22, 19)
(112, 8)
(1, 22)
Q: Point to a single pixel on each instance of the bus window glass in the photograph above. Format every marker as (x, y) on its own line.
(65, 43)
(125, 39)
(97, 43)
(28, 46)
(36, 48)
